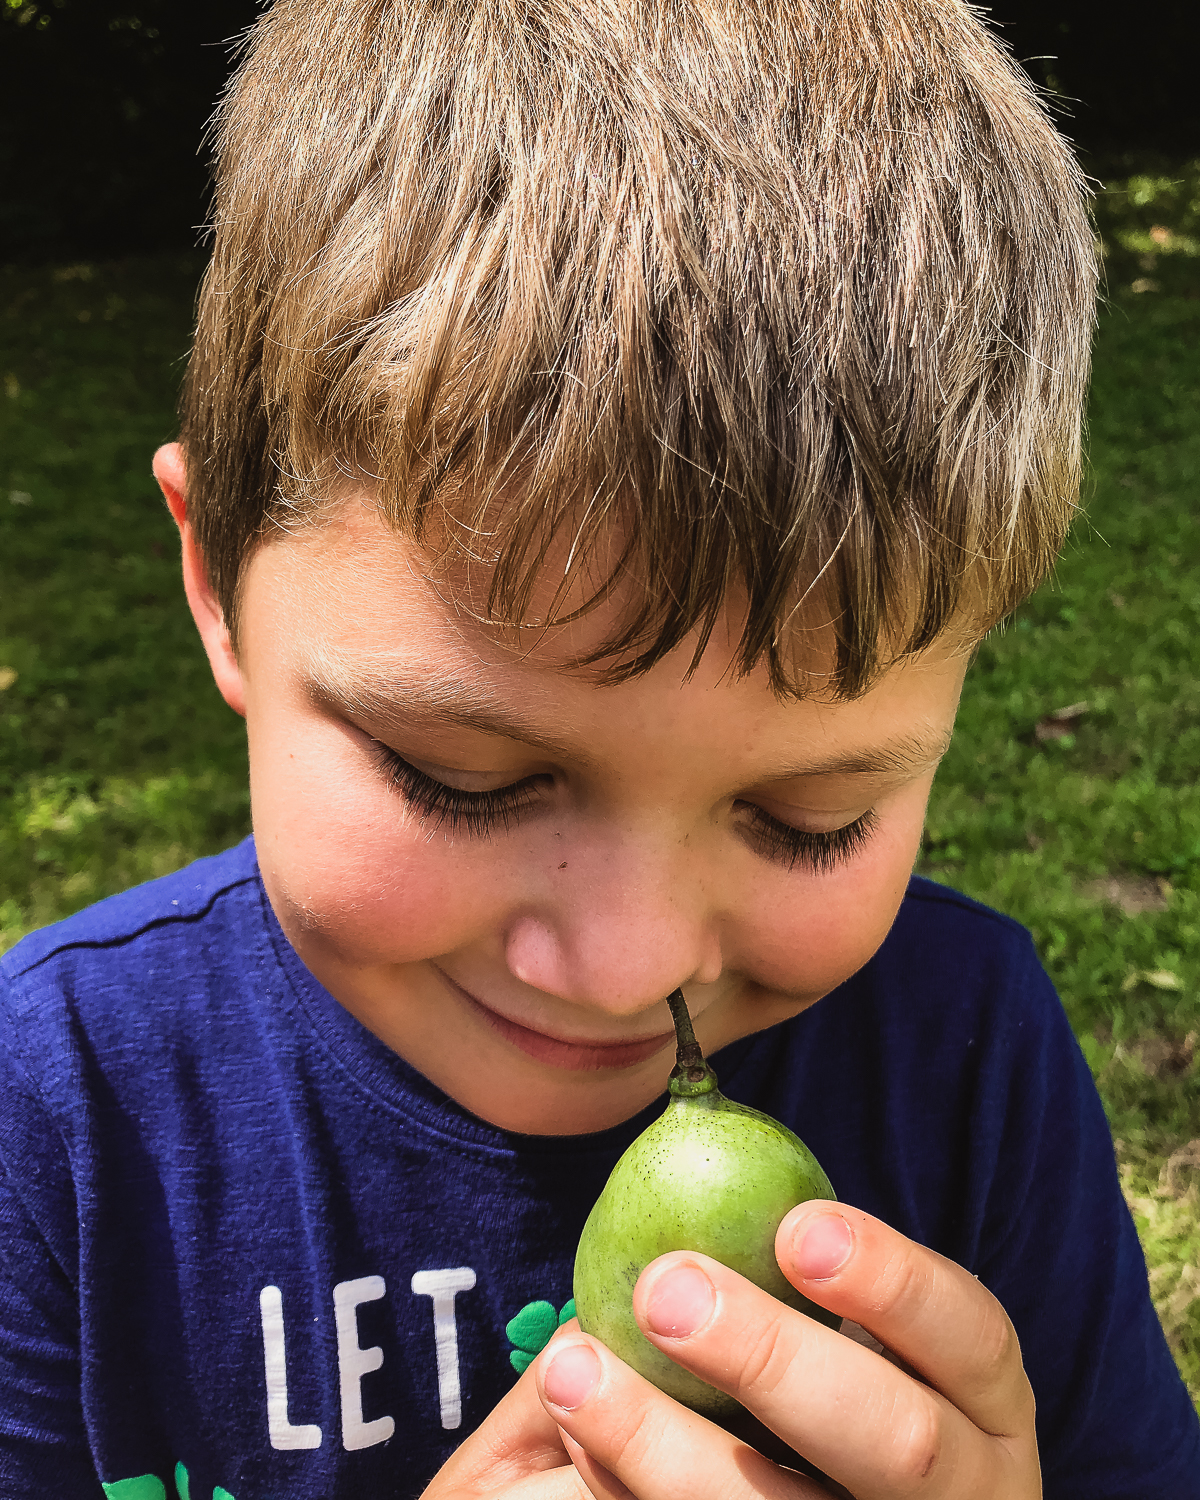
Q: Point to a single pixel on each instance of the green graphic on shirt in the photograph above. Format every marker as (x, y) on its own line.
(529, 1332)
(144, 1487)
(150, 1487)
(183, 1486)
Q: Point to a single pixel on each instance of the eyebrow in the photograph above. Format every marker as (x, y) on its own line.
(393, 702)
(901, 755)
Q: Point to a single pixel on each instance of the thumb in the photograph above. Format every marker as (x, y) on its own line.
(516, 1441)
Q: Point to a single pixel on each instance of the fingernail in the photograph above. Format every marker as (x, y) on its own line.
(680, 1301)
(825, 1248)
(571, 1376)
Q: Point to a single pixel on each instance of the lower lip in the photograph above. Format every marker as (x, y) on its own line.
(579, 1057)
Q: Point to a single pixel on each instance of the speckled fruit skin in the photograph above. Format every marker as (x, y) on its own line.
(709, 1175)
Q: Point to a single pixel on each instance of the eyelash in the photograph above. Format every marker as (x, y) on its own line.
(480, 813)
(819, 852)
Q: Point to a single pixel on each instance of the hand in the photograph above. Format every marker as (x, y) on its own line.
(946, 1415)
(517, 1454)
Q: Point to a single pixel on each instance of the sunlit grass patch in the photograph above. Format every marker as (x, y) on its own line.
(1148, 215)
(1087, 828)
(1165, 1199)
(72, 839)
(118, 760)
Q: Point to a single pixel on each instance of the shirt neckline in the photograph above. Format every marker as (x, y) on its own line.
(374, 1068)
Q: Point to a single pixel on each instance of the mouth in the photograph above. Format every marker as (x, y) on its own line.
(580, 1056)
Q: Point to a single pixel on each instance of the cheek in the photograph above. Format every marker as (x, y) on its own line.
(345, 866)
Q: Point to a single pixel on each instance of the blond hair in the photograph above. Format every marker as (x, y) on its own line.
(792, 299)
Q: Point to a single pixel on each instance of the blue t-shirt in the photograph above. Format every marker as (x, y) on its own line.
(246, 1251)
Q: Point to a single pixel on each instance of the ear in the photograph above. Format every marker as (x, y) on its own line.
(170, 470)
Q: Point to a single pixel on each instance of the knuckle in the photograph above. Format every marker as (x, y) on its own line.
(919, 1446)
(764, 1358)
(632, 1437)
(901, 1285)
(996, 1346)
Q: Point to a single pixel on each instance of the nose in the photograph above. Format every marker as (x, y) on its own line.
(622, 938)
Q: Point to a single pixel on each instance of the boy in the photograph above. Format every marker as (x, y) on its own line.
(609, 429)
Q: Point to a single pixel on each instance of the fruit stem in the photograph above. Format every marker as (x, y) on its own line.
(691, 1075)
(689, 1048)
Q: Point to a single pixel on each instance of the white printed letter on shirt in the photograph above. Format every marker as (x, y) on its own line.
(283, 1434)
(442, 1287)
(354, 1363)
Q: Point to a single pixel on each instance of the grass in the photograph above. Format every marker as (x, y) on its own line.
(1087, 828)
(119, 762)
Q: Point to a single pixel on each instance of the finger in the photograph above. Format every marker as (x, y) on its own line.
(858, 1418)
(601, 1483)
(555, 1484)
(636, 1437)
(519, 1439)
(931, 1313)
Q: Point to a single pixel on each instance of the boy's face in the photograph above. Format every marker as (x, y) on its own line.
(502, 867)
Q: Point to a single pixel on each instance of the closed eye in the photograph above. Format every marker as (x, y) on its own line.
(820, 853)
(436, 803)
(481, 813)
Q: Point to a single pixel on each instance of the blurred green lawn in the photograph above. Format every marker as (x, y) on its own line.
(118, 761)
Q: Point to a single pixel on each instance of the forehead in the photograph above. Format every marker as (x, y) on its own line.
(355, 612)
(346, 549)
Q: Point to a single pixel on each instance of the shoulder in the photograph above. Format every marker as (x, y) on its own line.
(957, 967)
(954, 965)
(168, 907)
(951, 1035)
(940, 1064)
(117, 988)
(930, 910)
